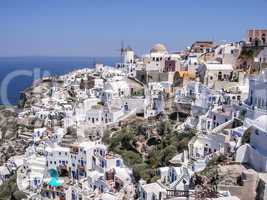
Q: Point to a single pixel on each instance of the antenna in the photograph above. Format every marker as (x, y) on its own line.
(122, 49)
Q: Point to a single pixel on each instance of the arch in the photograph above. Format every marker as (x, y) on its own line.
(220, 76)
(263, 38)
(177, 79)
(256, 42)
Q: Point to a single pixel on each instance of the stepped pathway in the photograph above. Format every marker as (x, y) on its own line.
(38, 166)
(25, 135)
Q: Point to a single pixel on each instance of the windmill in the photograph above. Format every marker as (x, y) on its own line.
(121, 53)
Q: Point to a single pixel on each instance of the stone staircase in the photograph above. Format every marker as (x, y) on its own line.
(37, 165)
(25, 135)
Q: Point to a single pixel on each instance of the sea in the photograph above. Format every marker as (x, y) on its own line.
(17, 73)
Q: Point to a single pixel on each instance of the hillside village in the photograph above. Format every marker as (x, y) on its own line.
(160, 126)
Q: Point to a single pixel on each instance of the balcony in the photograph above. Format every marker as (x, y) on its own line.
(177, 193)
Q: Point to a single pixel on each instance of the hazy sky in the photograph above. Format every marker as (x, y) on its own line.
(96, 27)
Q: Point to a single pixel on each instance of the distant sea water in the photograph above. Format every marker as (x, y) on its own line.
(52, 65)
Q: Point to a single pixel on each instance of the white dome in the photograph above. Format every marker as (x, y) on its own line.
(158, 48)
(261, 122)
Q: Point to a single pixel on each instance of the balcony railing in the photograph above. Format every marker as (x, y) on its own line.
(177, 193)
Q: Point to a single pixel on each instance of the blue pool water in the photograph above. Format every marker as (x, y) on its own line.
(54, 182)
(18, 67)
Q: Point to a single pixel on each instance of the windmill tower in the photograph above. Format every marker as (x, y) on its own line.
(122, 52)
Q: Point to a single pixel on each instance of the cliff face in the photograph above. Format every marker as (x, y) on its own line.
(15, 133)
(8, 123)
(10, 144)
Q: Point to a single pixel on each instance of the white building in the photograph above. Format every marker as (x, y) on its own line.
(127, 55)
(205, 145)
(156, 59)
(219, 115)
(102, 115)
(262, 56)
(117, 88)
(152, 191)
(255, 153)
(228, 53)
(217, 72)
(257, 96)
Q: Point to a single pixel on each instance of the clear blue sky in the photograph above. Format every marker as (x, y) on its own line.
(96, 27)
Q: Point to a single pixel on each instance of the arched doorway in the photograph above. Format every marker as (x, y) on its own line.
(263, 38)
(220, 76)
(256, 42)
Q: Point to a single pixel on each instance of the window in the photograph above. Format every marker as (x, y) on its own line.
(263, 38)
(259, 102)
(257, 132)
(144, 195)
(118, 163)
(103, 163)
(220, 76)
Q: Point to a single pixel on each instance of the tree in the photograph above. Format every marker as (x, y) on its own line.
(106, 137)
(131, 158)
(167, 154)
(164, 127)
(246, 137)
(143, 171)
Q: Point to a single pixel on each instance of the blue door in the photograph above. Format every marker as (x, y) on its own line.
(73, 174)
